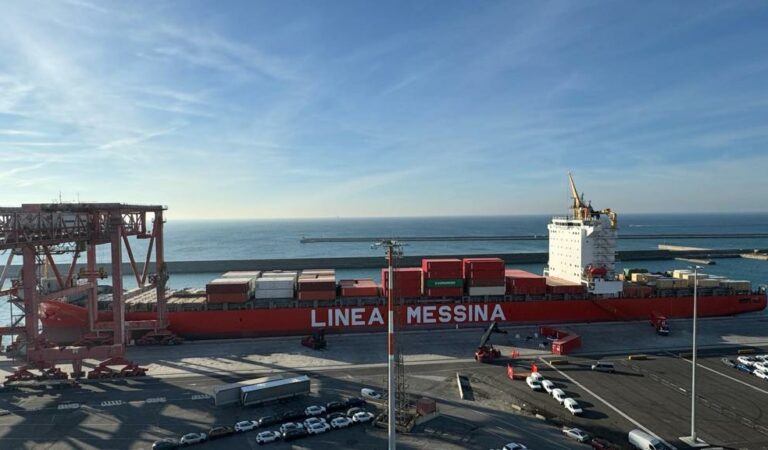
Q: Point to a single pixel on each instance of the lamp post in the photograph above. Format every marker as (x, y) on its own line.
(693, 440)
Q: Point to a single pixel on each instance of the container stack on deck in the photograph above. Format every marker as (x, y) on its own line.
(527, 283)
(276, 284)
(484, 276)
(406, 282)
(359, 288)
(317, 285)
(561, 286)
(230, 290)
(442, 278)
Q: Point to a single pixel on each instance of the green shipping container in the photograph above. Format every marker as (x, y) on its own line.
(453, 283)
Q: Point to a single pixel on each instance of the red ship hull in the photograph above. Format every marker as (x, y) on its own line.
(63, 320)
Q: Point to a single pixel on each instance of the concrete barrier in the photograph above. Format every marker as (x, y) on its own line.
(745, 351)
(557, 361)
(637, 357)
(540, 417)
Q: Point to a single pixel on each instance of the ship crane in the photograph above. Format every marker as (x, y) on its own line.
(584, 211)
(485, 351)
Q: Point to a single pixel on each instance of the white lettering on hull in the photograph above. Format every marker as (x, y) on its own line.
(414, 315)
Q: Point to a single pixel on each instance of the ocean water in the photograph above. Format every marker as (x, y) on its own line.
(266, 239)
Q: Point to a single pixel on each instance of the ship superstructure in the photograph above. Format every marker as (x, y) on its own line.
(582, 247)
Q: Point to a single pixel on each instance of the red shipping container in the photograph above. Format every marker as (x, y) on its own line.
(443, 274)
(359, 288)
(566, 345)
(559, 286)
(227, 298)
(485, 283)
(441, 265)
(317, 284)
(522, 282)
(482, 265)
(444, 292)
(316, 295)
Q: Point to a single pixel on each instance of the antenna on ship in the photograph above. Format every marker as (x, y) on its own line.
(394, 249)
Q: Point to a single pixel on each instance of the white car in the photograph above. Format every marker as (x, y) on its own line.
(370, 393)
(341, 422)
(313, 421)
(514, 446)
(576, 433)
(193, 438)
(537, 376)
(314, 410)
(761, 365)
(746, 360)
(559, 395)
(572, 406)
(548, 386)
(533, 383)
(762, 357)
(362, 417)
(761, 374)
(290, 426)
(246, 425)
(266, 437)
(318, 428)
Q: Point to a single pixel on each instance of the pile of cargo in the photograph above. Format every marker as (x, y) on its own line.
(484, 276)
(317, 284)
(406, 282)
(276, 284)
(442, 278)
(359, 288)
(521, 282)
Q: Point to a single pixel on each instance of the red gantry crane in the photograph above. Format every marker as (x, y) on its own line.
(36, 232)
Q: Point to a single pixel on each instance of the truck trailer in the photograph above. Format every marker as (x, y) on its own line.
(229, 394)
(272, 390)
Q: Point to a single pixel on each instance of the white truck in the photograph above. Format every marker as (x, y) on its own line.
(641, 440)
(229, 394)
(272, 390)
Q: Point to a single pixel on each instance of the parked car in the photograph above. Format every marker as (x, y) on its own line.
(514, 446)
(4, 412)
(312, 421)
(728, 362)
(362, 417)
(372, 394)
(294, 415)
(572, 406)
(604, 366)
(266, 437)
(268, 421)
(297, 433)
(760, 365)
(602, 444)
(165, 443)
(537, 376)
(318, 428)
(762, 357)
(533, 383)
(576, 433)
(559, 395)
(335, 415)
(335, 406)
(744, 368)
(218, 432)
(642, 440)
(290, 426)
(340, 422)
(352, 411)
(548, 386)
(746, 360)
(355, 401)
(314, 410)
(761, 374)
(193, 438)
(246, 425)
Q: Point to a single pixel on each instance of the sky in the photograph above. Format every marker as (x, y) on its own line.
(251, 109)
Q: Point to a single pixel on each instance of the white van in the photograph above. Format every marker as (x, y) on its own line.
(644, 441)
(604, 366)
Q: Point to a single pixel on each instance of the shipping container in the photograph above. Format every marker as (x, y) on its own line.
(443, 274)
(444, 292)
(242, 274)
(483, 282)
(678, 273)
(407, 282)
(442, 268)
(316, 295)
(483, 267)
(443, 283)
(275, 283)
(482, 291)
(737, 285)
(522, 282)
(665, 283)
(317, 284)
(230, 286)
(274, 390)
(228, 298)
(566, 345)
(273, 293)
(629, 272)
(321, 272)
(280, 274)
(229, 394)
(560, 286)
(359, 288)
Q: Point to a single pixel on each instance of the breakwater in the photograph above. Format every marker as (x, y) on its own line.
(528, 237)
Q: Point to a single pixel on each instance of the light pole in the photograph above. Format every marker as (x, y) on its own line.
(693, 440)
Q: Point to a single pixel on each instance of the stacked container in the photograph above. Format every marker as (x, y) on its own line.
(317, 285)
(442, 278)
(229, 290)
(522, 282)
(275, 285)
(407, 282)
(737, 285)
(252, 274)
(484, 276)
(561, 286)
(359, 288)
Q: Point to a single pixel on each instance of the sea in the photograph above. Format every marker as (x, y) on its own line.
(187, 240)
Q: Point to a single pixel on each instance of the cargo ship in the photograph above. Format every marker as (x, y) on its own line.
(580, 284)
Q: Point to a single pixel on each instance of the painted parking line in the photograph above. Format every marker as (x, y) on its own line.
(156, 400)
(200, 397)
(725, 375)
(607, 403)
(68, 406)
(112, 403)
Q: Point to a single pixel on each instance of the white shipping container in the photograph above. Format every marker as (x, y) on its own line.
(273, 293)
(279, 274)
(275, 283)
(690, 276)
(242, 274)
(678, 273)
(481, 291)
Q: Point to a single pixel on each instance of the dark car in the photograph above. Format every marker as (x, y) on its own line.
(744, 368)
(335, 406)
(217, 432)
(355, 401)
(295, 433)
(602, 444)
(352, 411)
(335, 415)
(268, 421)
(293, 414)
(164, 444)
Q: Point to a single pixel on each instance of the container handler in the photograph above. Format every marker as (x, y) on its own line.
(485, 352)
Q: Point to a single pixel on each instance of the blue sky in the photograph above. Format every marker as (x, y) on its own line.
(239, 109)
